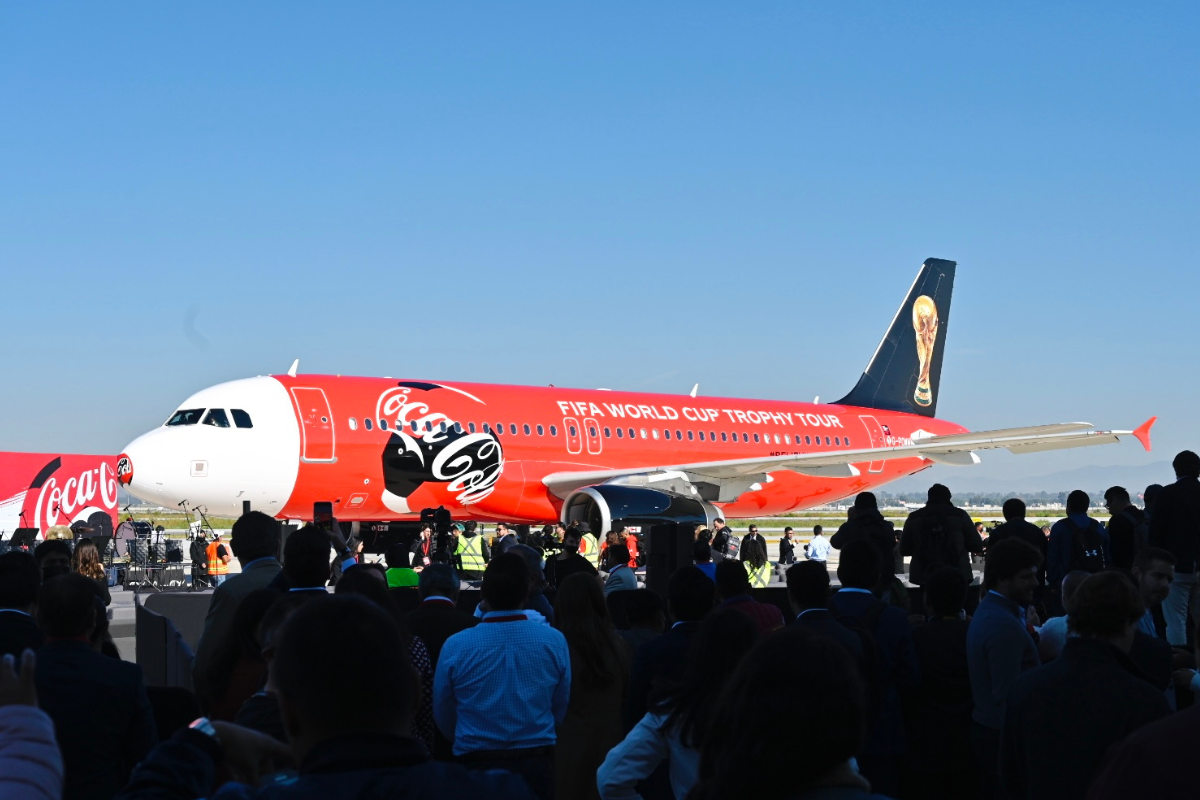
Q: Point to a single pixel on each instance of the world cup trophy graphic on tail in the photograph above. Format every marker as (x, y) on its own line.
(925, 323)
(906, 369)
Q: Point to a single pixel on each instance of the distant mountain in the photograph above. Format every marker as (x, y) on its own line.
(1092, 479)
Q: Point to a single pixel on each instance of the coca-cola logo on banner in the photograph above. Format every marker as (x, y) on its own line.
(64, 496)
(426, 445)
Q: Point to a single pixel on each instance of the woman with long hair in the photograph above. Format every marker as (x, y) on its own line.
(754, 559)
(599, 677)
(754, 728)
(86, 561)
(681, 715)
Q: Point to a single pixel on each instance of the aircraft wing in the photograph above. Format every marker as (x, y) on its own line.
(734, 476)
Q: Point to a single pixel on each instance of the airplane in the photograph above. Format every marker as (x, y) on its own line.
(382, 449)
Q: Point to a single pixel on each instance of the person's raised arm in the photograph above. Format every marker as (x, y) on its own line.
(633, 760)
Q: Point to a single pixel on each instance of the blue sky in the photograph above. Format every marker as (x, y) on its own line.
(635, 196)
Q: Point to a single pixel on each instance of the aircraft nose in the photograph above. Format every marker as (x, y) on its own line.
(140, 470)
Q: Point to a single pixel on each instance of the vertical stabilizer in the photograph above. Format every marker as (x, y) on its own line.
(905, 372)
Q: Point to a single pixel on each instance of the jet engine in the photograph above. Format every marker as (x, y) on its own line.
(606, 505)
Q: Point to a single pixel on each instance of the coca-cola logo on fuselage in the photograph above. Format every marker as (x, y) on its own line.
(427, 446)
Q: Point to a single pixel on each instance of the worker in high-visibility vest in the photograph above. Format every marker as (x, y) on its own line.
(218, 561)
(472, 553)
(589, 548)
(758, 568)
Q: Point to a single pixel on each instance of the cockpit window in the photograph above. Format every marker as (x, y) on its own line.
(217, 418)
(185, 416)
(241, 418)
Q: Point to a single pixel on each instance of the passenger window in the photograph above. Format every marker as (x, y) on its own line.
(428, 426)
(383, 425)
(512, 428)
(471, 427)
(353, 424)
(241, 418)
(592, 431)
(554, 430)
(607, 432)
(827, 440)
(756, 438)
(691, 436)
(541, 431)
(701, 435)
(217, 418)
(458, 427)
(187, 416)
(807, 440)
(571, 430)
(486, 428)
(678, 435)
(846, 441)
(724, 436)
(777, 438)
(500, 428)
(654, 432)
(526, 429)
(632, 434)
(442, 425)
(837, 440)
(620, 433)
(666, 433)
(643, 433)
(367, 423)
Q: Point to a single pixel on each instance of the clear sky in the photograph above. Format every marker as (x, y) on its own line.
(628, 195)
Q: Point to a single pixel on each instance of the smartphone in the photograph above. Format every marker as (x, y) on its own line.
(323, 515)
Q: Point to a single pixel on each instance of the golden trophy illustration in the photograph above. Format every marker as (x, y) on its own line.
(925, 323)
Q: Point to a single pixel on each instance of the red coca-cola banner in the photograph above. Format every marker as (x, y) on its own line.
(40, 490)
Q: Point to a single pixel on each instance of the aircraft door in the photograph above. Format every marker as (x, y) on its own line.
(592, 431)
(875, 437)
(571, 429)
(316, 425)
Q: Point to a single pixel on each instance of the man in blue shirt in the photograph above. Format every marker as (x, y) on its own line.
(620, 577)
(999, 648)
(502, 687)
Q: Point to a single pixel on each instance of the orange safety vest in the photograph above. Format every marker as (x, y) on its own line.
(216, 566)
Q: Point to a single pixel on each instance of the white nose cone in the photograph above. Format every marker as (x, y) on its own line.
(249, 452)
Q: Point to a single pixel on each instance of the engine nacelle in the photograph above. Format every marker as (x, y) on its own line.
(606, 505)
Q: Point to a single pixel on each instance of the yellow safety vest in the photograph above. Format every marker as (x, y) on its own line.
(470, 553)
(590, 551)
(759, 578)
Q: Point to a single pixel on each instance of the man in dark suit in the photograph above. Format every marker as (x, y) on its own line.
(20, 579)
(438, 617)
(808, 590)
(937, 715)
(255, 544)
(690, 596)
(1175, 526)
(752, 534)
(101, 714)
(1015, 526)
(858, 569)
(1062, 718)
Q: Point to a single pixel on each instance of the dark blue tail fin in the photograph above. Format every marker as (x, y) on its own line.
(906, 370)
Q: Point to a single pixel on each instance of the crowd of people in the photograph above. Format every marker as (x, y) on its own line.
(1068, 671)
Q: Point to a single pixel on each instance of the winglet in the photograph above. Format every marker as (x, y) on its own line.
(1142, 432)
(695, 389)
(293, 368)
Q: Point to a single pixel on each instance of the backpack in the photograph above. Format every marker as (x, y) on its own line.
(940, 543)
(1087, 549)
(1141, 530)
(725, 545)
(872, 661)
